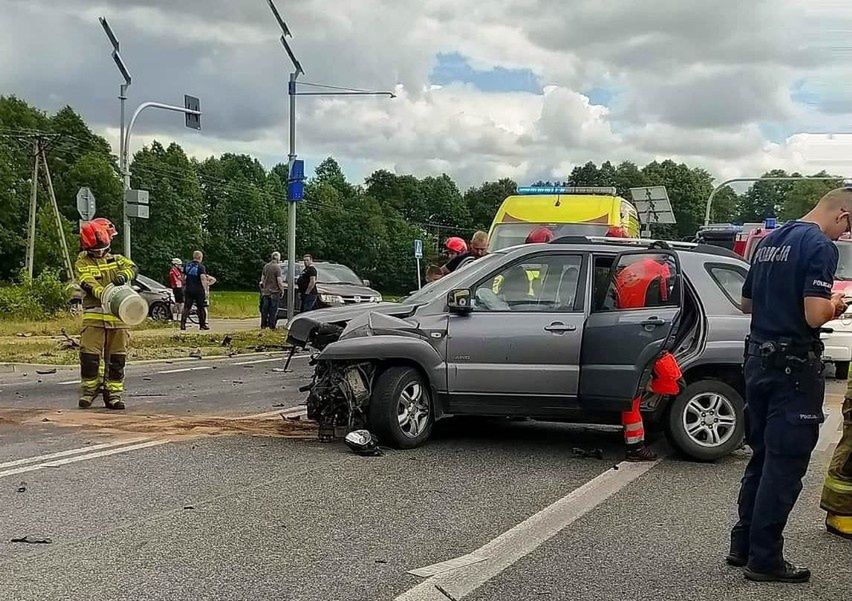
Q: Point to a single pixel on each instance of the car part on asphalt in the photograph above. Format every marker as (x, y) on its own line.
(32, 540)
(338, 397)
(363, 443)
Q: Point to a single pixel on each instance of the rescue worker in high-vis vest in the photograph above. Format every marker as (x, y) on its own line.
(837, 490)
(104, 336)
(788, 292)
(633, 286)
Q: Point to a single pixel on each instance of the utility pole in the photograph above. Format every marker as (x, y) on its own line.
(292, 93)
(33, 208)
(62, 242)
(191, 108)
(122, 155)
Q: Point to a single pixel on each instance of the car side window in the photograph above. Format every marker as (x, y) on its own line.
(730, 281)
(638, 281)
(539, 284)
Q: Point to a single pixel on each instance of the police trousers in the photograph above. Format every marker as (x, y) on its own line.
(103, 355)
(783, 414)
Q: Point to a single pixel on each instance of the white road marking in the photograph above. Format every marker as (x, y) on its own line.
(83, 457)
(289, 412)
(177, 371)
(69, 382)
(514, 544)
(831, 430)
(281, 359)
(77, 451)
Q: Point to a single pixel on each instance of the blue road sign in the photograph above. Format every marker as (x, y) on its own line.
(296, 181)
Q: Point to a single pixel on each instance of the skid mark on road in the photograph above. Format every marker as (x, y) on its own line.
(168, 426)
(462, 575)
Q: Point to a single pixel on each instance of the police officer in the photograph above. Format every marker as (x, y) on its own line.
(788, 293)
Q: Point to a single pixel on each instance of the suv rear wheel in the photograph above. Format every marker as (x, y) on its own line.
(706, 421)
(401, 408)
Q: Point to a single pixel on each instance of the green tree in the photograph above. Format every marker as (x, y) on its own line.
(764, 198)
(803, 196)
(483, 201)
(688, 190)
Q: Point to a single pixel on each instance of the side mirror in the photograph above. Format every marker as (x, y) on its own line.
(366, 283)
(459, 301)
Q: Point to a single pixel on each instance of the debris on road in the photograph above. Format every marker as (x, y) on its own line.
(24, 334)
(363, 443)
(278, 405)
(593, 453)
(32, 540)
(45, 372)
(196, 354)
(226, 341)
(68, 343)
(189, 506)
(22, 487)
(441, 590)
(278, 369)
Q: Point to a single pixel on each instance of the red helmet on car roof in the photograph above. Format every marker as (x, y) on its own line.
(456, 245)
(540, 235)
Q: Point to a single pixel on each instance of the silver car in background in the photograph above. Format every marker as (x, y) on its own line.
(533, 331)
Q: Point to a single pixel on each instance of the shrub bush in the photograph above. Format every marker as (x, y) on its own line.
(34, 298)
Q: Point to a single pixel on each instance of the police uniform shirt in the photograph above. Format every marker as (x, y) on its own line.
(793, 262)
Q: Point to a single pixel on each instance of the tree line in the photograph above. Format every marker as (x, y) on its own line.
(235, 210)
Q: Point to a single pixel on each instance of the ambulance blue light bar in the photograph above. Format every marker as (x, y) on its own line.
(594, 190)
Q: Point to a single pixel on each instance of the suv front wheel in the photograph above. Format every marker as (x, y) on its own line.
(401, 408)
(706, 421)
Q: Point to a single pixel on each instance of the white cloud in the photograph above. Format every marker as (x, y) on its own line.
(696, 81)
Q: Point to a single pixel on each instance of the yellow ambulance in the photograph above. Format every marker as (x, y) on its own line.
(566, 211)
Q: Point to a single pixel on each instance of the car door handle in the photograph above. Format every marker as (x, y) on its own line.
(653, 322)
(559, 328)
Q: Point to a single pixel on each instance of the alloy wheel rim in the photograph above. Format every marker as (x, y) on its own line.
(412, 410)
(709, 419)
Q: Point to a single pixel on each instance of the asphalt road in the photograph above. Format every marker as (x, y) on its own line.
(186, 497)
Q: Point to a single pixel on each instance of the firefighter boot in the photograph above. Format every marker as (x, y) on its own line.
(114, 385)
(840, 525)
(91, 378)
(640, 452)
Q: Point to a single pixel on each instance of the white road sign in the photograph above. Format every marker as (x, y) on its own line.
(86, 204)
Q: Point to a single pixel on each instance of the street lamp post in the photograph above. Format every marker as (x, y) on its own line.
(757, 179)
(292, 92)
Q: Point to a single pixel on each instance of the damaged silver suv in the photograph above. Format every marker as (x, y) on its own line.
(536, 331)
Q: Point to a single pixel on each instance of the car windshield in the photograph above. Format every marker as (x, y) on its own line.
(512, 234)
(149, 283)
(332, 273)
(448, 282)
(844, 262)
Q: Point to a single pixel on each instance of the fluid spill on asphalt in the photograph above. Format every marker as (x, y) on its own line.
(171, 426)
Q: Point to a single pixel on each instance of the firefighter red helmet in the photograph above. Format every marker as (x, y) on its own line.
(95, 236)
(456, 245)
(107, 225)
(540, 235)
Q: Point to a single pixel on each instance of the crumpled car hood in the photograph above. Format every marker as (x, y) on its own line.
(304, 326)
(374, 324)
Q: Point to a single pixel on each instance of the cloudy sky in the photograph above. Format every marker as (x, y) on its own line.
(485, 88)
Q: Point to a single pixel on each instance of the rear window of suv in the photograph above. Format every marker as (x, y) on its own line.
(730, 280)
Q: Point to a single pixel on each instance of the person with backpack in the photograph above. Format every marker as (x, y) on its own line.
(195, 290)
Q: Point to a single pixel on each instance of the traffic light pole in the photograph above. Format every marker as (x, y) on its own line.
(291, 207)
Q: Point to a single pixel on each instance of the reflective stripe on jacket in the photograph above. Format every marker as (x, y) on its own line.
(94, 274)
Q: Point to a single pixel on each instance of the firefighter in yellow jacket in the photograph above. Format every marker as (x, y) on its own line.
(104, 336)
(837, 491)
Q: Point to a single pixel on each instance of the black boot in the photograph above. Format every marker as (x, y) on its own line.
(736, 558)
(785, 573)
(639, 452)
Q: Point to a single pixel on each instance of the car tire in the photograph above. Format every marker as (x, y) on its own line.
(401, 412)
(707, 420)
(160, 312)
(841, 370)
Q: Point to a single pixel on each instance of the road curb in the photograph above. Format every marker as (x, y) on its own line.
(16, 367)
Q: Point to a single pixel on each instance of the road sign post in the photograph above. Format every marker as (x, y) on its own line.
(418, 254)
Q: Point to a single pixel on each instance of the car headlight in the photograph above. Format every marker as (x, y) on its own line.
(376, 299)
(331, 299)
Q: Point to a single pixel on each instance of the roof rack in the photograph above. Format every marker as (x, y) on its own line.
(708, 249)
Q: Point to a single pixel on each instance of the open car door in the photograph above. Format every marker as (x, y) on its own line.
(635, 311)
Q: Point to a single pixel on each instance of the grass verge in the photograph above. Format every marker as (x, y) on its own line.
(227, 304)
(157, 343)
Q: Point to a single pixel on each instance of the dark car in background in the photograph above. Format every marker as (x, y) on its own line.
(337, 285)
